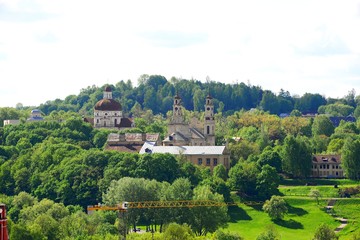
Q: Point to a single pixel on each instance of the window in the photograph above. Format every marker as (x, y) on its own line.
(327, 166)
(208, 162)
(208, 129)
(215, 161)
(199, 161)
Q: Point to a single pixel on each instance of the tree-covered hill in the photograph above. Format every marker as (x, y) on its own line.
(156, 93)
(63, 158)
(66, 162)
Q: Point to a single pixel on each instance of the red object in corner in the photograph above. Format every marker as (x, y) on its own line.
(3, 223)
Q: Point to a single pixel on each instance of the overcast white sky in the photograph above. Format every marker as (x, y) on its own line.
(51, 49)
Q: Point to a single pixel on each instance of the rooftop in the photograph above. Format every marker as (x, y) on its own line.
(149, 147)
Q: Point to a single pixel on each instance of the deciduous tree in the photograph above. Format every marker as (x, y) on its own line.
(267, 181)
(322, 126)
(208, 219)
(324, 232)
(351, 158)
(275, 207)
(315, 193)
(296, 156)
(243, 177)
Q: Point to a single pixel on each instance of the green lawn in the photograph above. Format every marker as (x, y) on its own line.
(304, 214)
(350, 209)
(325, 186)
(325, 191)
(300, 223)
(318, 181)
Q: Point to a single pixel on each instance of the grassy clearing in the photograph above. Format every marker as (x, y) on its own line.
(316, 181)
(304, 214)
(350, 209)
(326, 187)
(325, 191)
(300, 223)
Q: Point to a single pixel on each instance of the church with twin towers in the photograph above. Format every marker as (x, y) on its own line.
(182, 133)
(195, 140)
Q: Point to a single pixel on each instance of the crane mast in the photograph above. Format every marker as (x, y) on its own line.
(123, 207)
(3, 223)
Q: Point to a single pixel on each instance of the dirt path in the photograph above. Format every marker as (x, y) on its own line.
(343, 221)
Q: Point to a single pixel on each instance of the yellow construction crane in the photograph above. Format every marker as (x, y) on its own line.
(160, 204)
(123, 207)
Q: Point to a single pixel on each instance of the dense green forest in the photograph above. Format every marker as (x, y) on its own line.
(51, 170)
(156, 93)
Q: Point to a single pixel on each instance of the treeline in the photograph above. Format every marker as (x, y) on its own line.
(62, 159)
(65, 162)
(31, 218)
(291, 141)
(156, 93)
(50, 171)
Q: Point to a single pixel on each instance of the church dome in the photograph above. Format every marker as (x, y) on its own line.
(107, 89)
(108, 105)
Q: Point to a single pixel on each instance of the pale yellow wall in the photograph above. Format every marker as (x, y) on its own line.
(221, 159)
(324, 171)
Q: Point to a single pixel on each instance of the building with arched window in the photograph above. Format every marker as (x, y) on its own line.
(108, 113)
(183, 133)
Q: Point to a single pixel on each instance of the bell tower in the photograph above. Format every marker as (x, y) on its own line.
(178, 116)
(209, 121)
(107, 93)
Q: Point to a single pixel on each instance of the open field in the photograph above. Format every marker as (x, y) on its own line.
(325, 191)
(326, 187)
(350, 209)
(304, 214)
(303, 218)
(318, 182)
